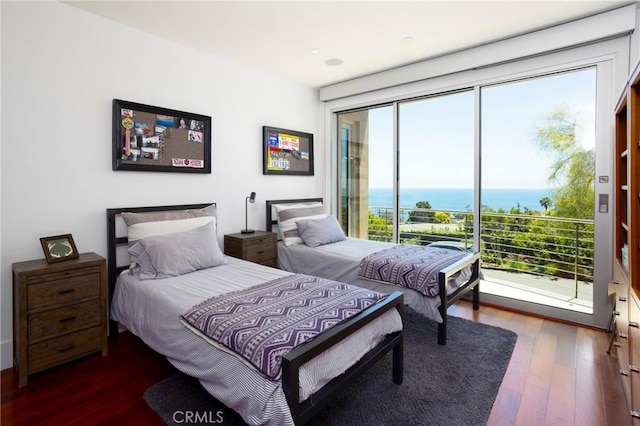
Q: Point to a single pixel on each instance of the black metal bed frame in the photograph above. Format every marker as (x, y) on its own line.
(446, 300)
(301, 412)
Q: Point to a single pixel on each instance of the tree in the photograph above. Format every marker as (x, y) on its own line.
(416, 216)
(546, 202)
(573, 168)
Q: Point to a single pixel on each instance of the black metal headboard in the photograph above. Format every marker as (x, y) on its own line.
(272, 218)
(114, 241)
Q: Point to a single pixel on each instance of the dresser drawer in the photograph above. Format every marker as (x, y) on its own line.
(63, 290)
(257, 252)
(63, 320)
(54, 351)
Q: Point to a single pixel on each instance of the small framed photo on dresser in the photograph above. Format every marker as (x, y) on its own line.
(59, 248)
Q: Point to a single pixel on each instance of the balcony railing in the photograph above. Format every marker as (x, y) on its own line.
(552, 249)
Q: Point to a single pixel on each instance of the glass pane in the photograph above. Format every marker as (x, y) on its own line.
(537, 195)
(366, 163)
(436, 146)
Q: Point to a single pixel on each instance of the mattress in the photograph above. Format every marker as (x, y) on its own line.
(340, 261)
(151, 309)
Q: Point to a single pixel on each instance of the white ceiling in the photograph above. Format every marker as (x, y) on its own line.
(368, 36)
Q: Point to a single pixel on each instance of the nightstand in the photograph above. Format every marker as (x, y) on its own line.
(259, 247)
(59, 312)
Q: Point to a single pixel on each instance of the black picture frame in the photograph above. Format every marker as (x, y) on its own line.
(155, 139)
(59, 248)
(286, 152)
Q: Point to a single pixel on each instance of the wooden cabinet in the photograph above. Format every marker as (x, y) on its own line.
(59, 312)
(626, 282)
(259, 247)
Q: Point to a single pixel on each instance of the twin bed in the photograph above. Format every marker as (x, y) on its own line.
(159, 286)
(326, 252)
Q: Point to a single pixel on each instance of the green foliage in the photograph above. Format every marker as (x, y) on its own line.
(442, 217)
(379, 228)
(417, 216)
(573, 168)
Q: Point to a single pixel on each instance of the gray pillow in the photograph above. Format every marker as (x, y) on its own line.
(316, 232)
(288, 214)
(170, 255)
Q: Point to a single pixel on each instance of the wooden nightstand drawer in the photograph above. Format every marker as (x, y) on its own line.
(64, 348)
(260, 252)
(46, 324)
(63, 290)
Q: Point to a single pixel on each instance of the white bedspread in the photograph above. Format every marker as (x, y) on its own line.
(151, 308)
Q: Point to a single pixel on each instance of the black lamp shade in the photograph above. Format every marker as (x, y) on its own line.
(250, 199)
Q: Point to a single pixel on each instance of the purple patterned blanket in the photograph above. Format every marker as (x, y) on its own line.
(264, 322)
(414, 267)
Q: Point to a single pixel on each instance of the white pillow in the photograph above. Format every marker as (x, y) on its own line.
(146, 224)
(170, 255)
(141, 230)
(288, 214)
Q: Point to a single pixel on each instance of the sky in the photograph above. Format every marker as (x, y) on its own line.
(436, 134)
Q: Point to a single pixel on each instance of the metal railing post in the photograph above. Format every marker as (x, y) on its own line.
(575, 263)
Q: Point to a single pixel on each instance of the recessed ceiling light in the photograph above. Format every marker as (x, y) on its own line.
(315, 51)
(334, 62)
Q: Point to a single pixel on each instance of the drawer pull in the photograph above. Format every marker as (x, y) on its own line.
(622, 298)
(615, 282)
(635, 414)
(623, 372)
(67, 348)
(622, 335)
(616, 313)
(67, 319)
(633, 324)
(634, 369)
(261, 251)
(67, 290)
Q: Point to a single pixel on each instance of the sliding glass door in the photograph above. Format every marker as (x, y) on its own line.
(435, 169)
(366, 173)
(538, 173)
(519, 155)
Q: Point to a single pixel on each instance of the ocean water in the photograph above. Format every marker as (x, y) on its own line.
(460, 198)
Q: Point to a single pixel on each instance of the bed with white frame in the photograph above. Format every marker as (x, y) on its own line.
(340, 261)
(151, 309)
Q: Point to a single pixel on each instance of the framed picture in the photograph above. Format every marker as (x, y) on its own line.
(287, 152)
(154, 139)
(59, 248)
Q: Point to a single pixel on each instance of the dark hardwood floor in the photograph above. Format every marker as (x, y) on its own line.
(559, 374)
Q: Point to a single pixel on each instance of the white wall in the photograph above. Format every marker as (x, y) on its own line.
(61, 68)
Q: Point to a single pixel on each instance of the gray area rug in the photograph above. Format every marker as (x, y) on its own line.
(454, 384)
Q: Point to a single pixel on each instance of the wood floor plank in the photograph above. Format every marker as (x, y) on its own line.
(542, 361)
(589, 402)
(505, 408)
(515, 377)
(562, 397)
(533, 405)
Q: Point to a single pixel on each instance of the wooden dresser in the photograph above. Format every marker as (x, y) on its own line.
(258, 247)
(59, 312)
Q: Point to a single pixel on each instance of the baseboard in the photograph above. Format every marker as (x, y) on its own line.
(6, 354)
